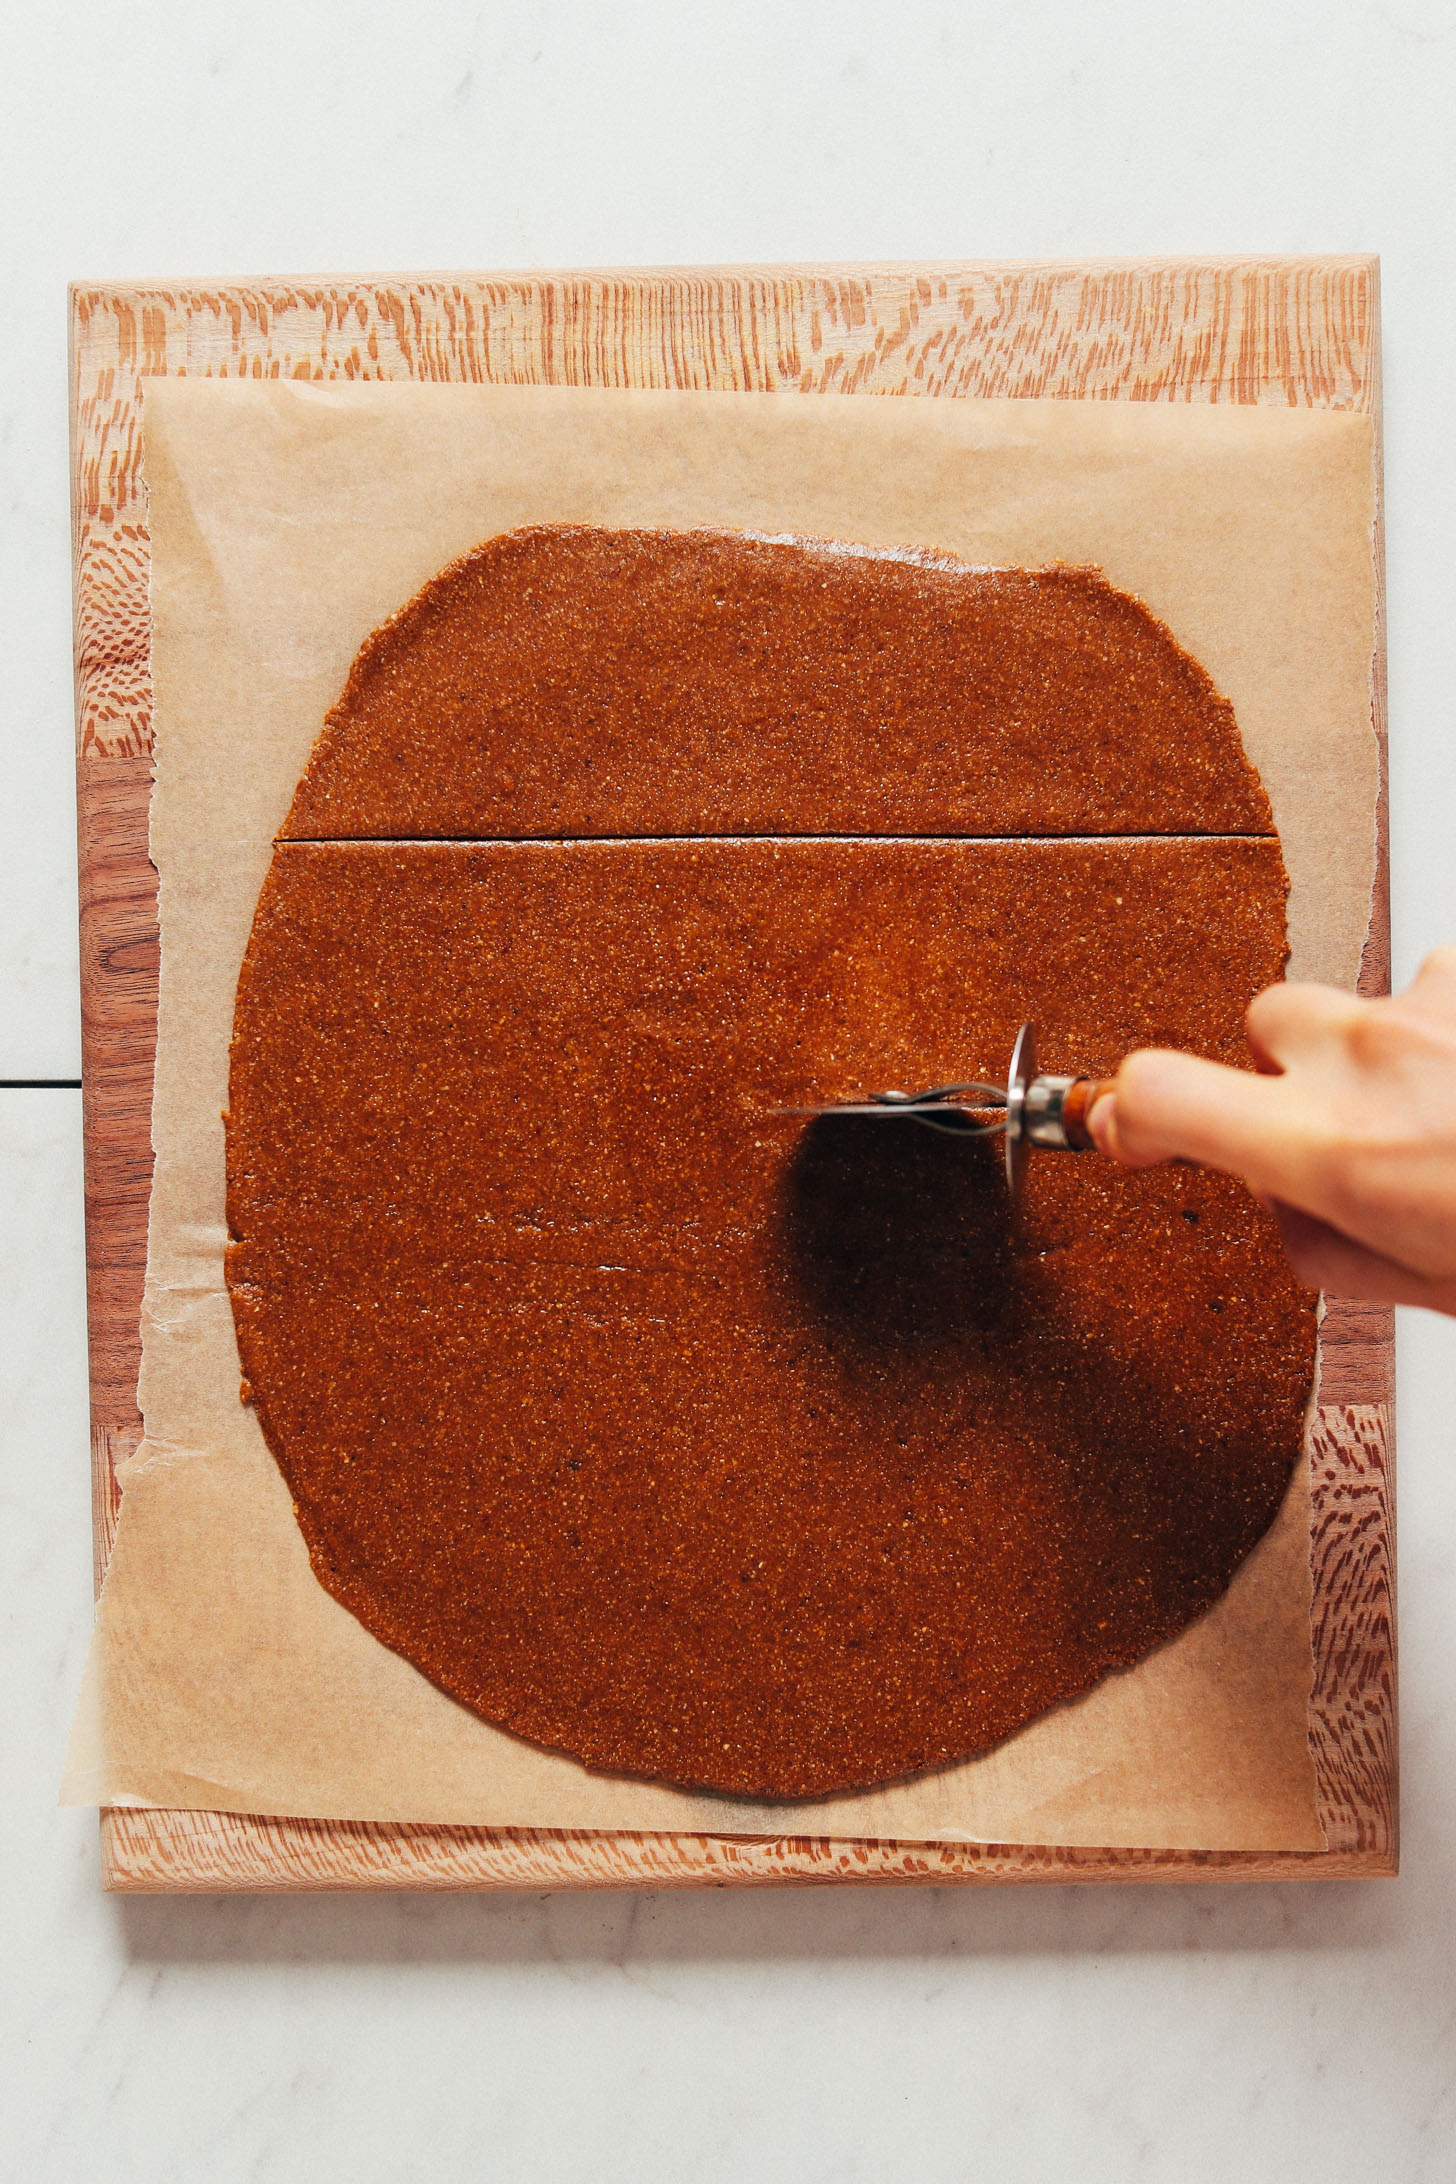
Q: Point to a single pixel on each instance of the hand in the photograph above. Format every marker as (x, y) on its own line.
(1348, 1135)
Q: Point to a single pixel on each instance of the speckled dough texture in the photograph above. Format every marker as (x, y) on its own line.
(698, 1441)
(571, 681)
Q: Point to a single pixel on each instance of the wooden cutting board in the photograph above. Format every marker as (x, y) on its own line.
(1301, 332)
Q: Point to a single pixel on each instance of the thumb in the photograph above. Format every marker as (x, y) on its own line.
(1169, 1106)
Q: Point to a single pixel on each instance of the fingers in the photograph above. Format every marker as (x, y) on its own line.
(1352, 1123)
(1166, 1106)
(1324, 1259)
(1432, 992)
(1438, 969)
(1289, 1023)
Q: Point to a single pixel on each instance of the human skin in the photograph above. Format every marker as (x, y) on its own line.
(1347, 1134)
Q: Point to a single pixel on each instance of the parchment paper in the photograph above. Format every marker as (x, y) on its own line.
(287, 522)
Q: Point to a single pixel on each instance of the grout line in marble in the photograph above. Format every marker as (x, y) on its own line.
(40, 1084)
(666, 841)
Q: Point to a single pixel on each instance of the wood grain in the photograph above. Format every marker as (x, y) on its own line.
(119, 962)
(221, 1853)
(1352, 1723)
(1292, 332)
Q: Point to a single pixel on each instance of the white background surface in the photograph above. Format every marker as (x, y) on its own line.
(1180, 2034)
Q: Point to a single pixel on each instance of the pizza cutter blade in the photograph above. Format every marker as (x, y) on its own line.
(1030, 1109)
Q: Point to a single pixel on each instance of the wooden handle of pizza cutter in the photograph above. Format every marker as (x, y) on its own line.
(1080, 1100)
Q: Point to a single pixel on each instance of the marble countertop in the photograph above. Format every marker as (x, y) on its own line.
(822, 2037)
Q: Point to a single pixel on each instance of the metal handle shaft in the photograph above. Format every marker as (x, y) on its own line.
(1056, 1109)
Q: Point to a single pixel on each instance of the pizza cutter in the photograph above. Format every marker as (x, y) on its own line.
(1030, 1109)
